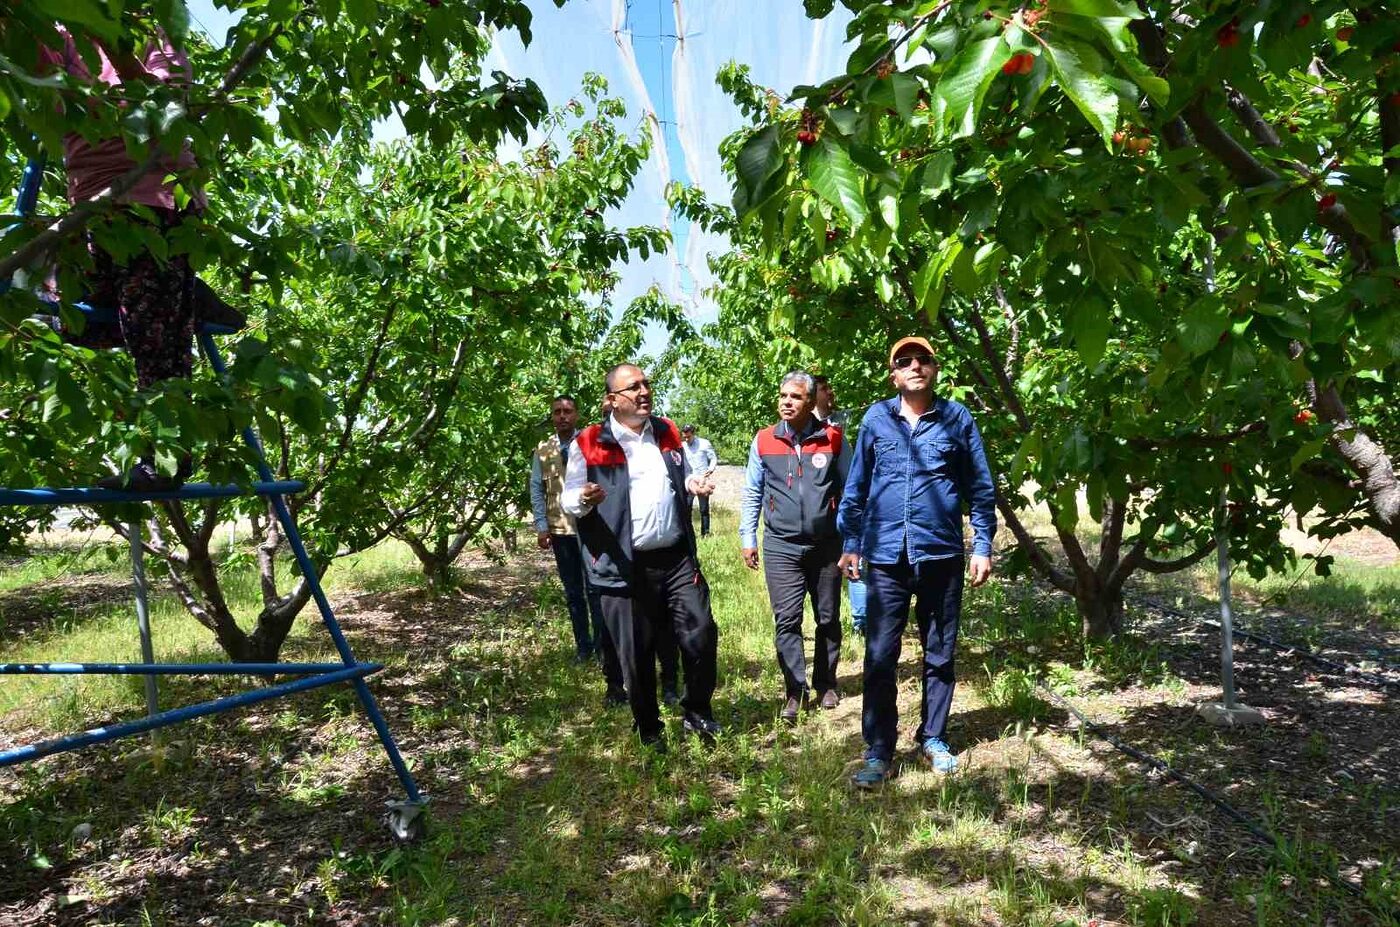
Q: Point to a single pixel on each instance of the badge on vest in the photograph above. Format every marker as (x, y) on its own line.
(676, 458)
(819, 460)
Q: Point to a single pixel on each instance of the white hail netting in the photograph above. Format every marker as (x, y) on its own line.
(782, 47)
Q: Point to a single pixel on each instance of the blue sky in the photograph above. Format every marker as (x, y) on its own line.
(661, 57)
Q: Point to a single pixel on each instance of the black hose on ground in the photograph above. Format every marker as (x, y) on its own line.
(1257, 830)
(1344, 669)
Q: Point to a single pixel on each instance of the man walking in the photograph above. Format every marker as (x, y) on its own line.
(628, 485)
(700, 455)
(554, 530)
(795, 474)
(828, 414)
(917, 462)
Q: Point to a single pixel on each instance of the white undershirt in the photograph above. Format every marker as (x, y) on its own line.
(655, 523)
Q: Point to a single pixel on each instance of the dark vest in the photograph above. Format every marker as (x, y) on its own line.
(801, 486)
(606, 532)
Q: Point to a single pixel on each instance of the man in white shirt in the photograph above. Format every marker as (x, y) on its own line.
(700, 455)
(628, 486)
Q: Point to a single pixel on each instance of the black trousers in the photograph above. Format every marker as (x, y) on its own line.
(794, 572)
(667, 591)
(937, 587)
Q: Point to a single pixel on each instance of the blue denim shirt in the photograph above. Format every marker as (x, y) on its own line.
(906, 488)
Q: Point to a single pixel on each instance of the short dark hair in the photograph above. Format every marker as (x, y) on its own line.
(564, 397)
(687, 427)
(820, 379)
(612, 371)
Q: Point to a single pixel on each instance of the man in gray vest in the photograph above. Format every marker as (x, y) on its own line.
(795, 474)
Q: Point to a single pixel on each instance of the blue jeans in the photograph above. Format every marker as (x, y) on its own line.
(578, 593)
(937, 585)
(856, 587)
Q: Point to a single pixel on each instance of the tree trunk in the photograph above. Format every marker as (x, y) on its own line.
(436, 561)
(1100, 612)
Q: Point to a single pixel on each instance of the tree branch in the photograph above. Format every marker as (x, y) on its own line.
(81, 213)
(1181, 563)
(1038, 557)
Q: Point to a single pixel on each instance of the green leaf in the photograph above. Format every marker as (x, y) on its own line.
(962, 87)
(830, 172)
(1202, 325)
(362, 12)
(758, 164)
(905, 88)
(87, 13)
(1090, 321)
(1079, 72)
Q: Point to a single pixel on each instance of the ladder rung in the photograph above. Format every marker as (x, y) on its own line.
(93, 495)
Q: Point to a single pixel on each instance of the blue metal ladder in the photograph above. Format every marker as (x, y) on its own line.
(404, 816)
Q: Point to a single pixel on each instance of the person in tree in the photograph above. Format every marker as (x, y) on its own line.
(700, 453)
(795, 474)
(628, 485)
(554, 531)
(154, 295)
(827, 413)
(918, 460)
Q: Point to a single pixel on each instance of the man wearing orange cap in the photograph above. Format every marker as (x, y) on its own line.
(918, 460)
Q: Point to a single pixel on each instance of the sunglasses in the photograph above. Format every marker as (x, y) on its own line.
(908, 360)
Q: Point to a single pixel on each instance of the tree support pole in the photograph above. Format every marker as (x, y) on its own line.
(1229, 712)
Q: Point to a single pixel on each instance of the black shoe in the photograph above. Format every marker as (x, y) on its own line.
(790, 708)
(655, 742)
(670, 698)
(615, 698)
(707, 729)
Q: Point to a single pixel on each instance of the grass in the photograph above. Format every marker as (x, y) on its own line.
(547, 812)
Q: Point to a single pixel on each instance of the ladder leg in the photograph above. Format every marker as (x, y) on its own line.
(143, 614)
(308, 569)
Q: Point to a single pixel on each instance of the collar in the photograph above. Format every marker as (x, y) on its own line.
(619, 432)
(784, 430)
(935, 410)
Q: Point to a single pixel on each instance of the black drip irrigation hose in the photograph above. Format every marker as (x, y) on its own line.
(1256, 830)
(1344, 669)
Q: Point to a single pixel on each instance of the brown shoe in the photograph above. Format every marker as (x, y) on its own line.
(790, 709)
(830, 699)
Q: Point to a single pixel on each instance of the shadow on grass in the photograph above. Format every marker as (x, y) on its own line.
(547, 811)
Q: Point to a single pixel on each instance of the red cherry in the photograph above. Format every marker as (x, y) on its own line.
(832, 234)
(1303, 416)
(1345, 33)
(806, 137)
(1303, 21)
(1118, 137)
(1228, 35)
(1227, 468)
(1013, 64)
(1327, 202)
(1027, 63)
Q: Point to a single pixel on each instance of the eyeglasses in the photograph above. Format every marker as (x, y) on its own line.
(908, 360)
(634, 388)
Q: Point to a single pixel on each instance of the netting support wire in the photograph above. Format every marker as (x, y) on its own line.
(308, 570)
(143, 614)
(1257, 830)
(1227, 637)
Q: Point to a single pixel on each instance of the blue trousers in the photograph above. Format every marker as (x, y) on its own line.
(583, 600)
(937, 587)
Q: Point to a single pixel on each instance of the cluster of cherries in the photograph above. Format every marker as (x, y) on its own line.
(807, 129)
